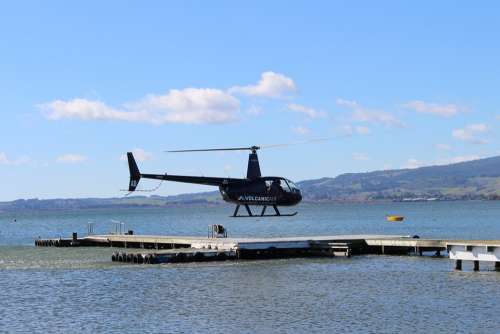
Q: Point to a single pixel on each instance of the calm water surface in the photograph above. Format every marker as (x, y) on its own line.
(62, 290)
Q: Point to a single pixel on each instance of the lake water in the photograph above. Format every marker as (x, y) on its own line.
(81, 290)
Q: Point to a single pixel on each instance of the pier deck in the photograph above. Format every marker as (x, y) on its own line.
(358, 242)
(163, 249)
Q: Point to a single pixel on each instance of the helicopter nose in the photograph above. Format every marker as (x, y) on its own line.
(298, 196)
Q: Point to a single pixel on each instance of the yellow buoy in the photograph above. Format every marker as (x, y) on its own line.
(394, 218)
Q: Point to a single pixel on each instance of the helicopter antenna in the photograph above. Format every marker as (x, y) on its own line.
(128, 192)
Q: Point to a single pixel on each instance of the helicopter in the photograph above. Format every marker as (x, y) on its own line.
(254, 190)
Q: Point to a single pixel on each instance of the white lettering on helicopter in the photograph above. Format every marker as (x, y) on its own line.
(250, 198)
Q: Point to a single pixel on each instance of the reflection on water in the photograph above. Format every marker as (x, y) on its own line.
(62, 290)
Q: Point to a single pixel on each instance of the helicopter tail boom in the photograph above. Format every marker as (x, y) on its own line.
(135, 175)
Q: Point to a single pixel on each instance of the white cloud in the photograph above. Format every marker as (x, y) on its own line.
(271, 84)
(350, 130)
(71, 158)
(5, 160)
(300, 130)
(362, 114)
(444, 110)
(88, 110)
(255, 111)
(348, 103)
(362, 130)
(139, 155)
(443, 147)
(185, 106)
(372, 116)
(413, 163)
(307, 111)
(188, 106)
(360, 156)
(458, 159)
(470, 133)
(386, 167)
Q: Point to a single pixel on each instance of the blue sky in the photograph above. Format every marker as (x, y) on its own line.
(394, 84)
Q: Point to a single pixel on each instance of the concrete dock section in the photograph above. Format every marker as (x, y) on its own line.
(474, 250)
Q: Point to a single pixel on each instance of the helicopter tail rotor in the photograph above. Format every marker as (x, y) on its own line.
(135, 175)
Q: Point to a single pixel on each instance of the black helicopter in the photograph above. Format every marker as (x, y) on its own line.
(253, 190)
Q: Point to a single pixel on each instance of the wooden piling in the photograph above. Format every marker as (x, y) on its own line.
(458, 265)
(476, 265)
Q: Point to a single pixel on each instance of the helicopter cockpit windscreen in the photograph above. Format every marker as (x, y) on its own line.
(292, 185)
(281, 185)
(277, 185)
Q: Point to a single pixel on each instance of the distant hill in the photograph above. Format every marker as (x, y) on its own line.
(205, 198)
(478, 179)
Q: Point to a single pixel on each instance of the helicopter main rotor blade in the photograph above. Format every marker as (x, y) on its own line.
(217, 149)
(300, 142)
(255, 148)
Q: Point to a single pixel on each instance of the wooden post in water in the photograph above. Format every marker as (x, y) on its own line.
(476, 265)
(458, 265)
(497, 266)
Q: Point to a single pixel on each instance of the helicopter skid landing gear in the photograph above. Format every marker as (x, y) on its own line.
(262, 213)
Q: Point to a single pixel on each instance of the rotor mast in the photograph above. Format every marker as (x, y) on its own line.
(253, 169)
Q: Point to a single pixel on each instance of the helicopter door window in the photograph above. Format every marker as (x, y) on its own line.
(285, 186)
(275, 187)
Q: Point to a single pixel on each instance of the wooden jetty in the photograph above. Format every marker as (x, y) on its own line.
(160, 249)
(358, 243)
(167, 249)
